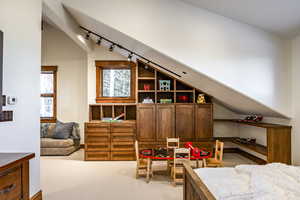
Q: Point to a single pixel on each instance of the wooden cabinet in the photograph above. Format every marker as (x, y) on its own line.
(14, 176)
(110, 141)
(185, 122)
(203, 121)
(165, 122)
(146, 122)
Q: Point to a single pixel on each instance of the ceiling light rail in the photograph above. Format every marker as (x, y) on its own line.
(130, 53)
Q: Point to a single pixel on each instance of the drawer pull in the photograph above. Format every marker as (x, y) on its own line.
(7, 189)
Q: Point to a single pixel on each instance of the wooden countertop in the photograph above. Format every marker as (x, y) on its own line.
(8, 160)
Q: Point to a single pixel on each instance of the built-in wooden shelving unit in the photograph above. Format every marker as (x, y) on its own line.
(148, 75)
(254, 147)
(111, 110)
(278, 147)
(257, 124)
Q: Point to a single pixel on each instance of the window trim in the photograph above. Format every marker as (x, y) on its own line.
(100, 65)
(52, 69)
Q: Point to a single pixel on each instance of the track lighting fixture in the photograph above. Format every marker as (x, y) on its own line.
(130, 56)
(130, 53)
(111, 48)
(87, 37)
(99, 41)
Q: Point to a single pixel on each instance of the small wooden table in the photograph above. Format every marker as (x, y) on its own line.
(153, 157)
(14, 175)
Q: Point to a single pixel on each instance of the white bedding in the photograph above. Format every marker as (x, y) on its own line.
(248, 182)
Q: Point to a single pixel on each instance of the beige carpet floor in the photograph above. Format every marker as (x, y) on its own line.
(72, 178)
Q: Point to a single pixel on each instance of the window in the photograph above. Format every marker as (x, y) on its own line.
(115, 82)
(48, 93)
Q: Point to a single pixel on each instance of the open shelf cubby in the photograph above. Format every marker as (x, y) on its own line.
(101, 111)
(146, 84)
(180, 97)
(148, 79)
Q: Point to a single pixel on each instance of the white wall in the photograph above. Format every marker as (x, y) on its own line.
(58, 49)
(225, 129)
(242, 57)
(21, 23)
(296, 99)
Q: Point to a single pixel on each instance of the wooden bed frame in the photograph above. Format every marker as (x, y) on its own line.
(194, 188)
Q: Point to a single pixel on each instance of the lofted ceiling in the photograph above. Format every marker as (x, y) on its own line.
(276, 16)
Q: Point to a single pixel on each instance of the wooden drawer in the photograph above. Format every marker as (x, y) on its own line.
(125, 155)
(122, 137)
(123, 129)
(122, 146)
(97, 138)
(97, 155)
(100, 146)
(97, 128)
(10, 184)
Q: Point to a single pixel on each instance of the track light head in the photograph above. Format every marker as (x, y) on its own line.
(130, 56)
(111, 48)
(87, 37)
(99, 41)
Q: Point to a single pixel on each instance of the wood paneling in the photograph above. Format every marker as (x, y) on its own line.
(146, 122)
(185, 122)
(204, 121)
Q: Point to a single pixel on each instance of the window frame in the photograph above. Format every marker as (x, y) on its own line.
(44, 70)
(100, 65)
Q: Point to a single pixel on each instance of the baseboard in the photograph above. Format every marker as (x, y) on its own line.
(37, 196)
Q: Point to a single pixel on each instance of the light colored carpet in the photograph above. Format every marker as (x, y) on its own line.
(72, 178)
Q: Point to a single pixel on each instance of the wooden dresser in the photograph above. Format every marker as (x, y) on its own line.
(14, 176)
(110, 140)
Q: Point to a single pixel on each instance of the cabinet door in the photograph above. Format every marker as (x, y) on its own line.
(165, 124)
(204, 121)
(146, 120)
(185, 118)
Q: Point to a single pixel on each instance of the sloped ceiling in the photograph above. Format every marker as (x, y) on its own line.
(233, 99)
(56, 15)
(280, 17)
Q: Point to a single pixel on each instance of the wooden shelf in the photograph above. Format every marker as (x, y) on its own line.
(184, 90)
(254, 147)
(146, 90)
(146, 78)
(257, 124)
(165, 91)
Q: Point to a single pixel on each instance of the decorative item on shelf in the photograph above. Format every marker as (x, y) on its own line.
(183, 98)
(246, 140)
(165, 100)
(252, 118)
(147, 100)
(201, 99)
(119, 117)
(146, 86)
(165, 85)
